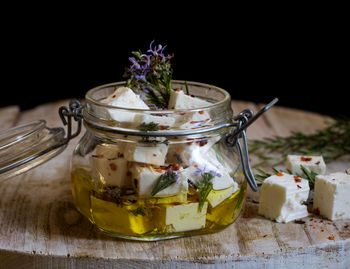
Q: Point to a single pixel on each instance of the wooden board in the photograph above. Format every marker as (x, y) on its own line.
(40, 228)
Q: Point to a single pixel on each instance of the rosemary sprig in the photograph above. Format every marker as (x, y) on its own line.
(139, 211)
(164, 181)
(308, 175)
(151, 75)
(146, 127)
(331, 142)
(204, 188)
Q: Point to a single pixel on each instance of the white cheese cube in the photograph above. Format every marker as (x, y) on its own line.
(217, 197)
(221, 180)
(144, 179)
(332, 195)
(109, 165)
(180, 100)
(146, 153)
(123, 97)
(193, 120)
(191, 151)
(185, 217)
(282, 197)
(162, 120)
(311, 163)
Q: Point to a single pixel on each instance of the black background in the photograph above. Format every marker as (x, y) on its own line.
(302, 58)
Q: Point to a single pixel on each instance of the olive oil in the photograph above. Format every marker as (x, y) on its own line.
(144, 218)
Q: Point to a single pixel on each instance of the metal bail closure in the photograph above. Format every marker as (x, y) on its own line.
(242, 121)
(29, 145)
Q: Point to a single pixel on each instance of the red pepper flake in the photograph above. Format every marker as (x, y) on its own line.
(158, 170)
(113, 166)
(177, 90)
(163, 127)
(176, 203)
(176, 167)
(201, 112)
(197, 121)
(154, 155)
(305, 159)
(317, 163)
(297, 179)
(163, 167)
(299, 187)
(279, 174)
(245, 216)
(331, 237)
(317, 211)
(195, 165)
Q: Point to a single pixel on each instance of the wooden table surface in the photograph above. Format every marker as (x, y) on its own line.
(40, 227)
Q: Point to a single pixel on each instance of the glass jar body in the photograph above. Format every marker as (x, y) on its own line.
(158, 187)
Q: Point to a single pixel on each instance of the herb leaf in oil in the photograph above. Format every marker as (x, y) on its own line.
(204, 188)
(164, 181)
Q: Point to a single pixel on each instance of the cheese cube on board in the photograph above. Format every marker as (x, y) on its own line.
(146, 153)
(180, 100)
(185, 217)
(311, 163)
(109, 165)
(123, 97)
(332, 195)
(145, 177)
(282, 197)
(221, 180)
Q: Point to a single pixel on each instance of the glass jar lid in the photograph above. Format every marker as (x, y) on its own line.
(27, 146)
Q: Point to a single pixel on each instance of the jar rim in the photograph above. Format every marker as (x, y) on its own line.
(89, 98)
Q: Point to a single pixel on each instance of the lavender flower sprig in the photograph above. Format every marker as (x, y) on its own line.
(151, 75)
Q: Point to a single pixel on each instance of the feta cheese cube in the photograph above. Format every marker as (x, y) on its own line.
(185, 217)
(217, 197)
(144, 179)
(123, 97)
(146, 153)
(192, 120)
(311, 163)
(282, 197)
(109, 165)
(162, 120)
(180, 100)
(190, 151)
(221, 180)
(331, 195)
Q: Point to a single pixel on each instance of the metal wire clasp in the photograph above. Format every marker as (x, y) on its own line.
(241, 122)
(66, 114)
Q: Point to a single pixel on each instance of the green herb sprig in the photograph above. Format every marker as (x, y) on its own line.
(149, 127)
(151, 75)
(331, 142)
(164, 181)
(139, 211)
(204, 188)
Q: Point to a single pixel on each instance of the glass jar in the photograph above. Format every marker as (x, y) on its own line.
(146, 174)
(182, 178)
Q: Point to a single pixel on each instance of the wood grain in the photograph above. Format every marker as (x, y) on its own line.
(40, 227)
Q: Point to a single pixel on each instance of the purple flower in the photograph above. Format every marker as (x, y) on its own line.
(135, 64)
(199, 171)
(156, 49)
(215, 174)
